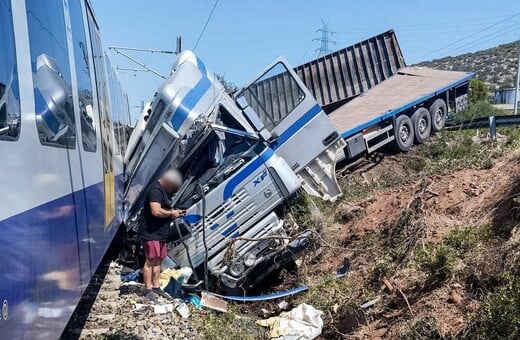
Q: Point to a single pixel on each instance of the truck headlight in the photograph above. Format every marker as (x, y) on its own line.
(236, 268)
(249, 259)
(228, 281)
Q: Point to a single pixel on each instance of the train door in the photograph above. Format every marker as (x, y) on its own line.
(107, 147)
(88, 132)
(54, 156)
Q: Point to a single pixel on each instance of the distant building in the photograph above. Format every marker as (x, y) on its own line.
(506, 96)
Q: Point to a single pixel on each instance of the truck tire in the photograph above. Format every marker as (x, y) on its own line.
(422, 125)
(438, 112)
(404, 133)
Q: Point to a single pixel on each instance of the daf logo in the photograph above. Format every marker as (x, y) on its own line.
(259, 179)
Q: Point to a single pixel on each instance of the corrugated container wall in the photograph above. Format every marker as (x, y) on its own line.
(506, 96)
(340, 76)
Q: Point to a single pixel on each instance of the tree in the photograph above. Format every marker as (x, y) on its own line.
(478, 91)
(229, 86)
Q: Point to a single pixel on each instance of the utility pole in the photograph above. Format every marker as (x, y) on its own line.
(517, 80)
(325, 39)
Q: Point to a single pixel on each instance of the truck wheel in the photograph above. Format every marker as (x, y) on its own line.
(403, 132)
(422, 125)
(438, 112)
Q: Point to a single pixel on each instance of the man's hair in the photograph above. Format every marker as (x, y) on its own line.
(173, 176)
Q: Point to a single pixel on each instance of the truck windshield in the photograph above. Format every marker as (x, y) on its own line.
(212, 155)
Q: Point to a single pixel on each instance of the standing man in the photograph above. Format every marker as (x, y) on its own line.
(156, 218)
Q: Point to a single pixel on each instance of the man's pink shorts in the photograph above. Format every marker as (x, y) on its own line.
(154, 250)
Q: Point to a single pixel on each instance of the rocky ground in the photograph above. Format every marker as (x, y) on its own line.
(107, 312)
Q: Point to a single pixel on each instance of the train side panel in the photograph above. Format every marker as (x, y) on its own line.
(58, 212)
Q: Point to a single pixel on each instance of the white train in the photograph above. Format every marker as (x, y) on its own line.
(64, 123)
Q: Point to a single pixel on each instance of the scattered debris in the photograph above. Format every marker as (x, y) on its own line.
(283, 305)
(302, 322)
(163, 309)
(183, 310)
(370, 303)
(213, 302)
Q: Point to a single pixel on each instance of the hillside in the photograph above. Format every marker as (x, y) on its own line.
(495, 66)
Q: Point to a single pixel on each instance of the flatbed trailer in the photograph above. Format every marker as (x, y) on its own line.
(374, 99)
(373, 114)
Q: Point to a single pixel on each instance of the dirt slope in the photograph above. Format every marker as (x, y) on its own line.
(429, 248)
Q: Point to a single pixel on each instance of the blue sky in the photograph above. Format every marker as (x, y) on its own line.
(243, 36)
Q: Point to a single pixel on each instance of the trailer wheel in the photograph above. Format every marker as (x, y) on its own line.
(422, 125)
(404, 133)
(438, 112)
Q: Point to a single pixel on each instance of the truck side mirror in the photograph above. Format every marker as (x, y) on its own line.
(253, 119)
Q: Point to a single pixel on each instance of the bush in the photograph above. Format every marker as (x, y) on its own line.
(478, 91)
(437, 260)
(440, 260)
(499, 313)
(455, 151)
(477, 110)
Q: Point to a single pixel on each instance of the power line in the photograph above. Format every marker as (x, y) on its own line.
(486, 38)
(468, 37)
(325, 40)
(205, 25)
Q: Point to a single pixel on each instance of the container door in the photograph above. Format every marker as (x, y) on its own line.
(300, 130)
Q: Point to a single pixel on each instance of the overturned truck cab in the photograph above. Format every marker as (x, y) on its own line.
(241, 158)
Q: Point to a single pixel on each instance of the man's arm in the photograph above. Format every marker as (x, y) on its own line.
(158, 211)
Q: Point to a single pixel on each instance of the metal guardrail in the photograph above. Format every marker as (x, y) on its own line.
(492, 122)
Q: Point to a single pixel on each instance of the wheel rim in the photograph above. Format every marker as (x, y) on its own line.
(439, 115)
(404, 133)
(423, 125)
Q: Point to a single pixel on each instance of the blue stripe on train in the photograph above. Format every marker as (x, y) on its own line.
(45, 258)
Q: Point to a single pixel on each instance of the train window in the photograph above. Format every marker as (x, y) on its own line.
(51, 73)
(84, 77)
(102, 95)
(9, 96)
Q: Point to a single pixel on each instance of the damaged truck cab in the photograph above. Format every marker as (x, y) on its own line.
(241, 157)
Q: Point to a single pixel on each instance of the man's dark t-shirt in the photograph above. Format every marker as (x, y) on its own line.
(152, 227)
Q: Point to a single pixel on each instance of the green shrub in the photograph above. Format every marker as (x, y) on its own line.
(499, 313)
(424, 327)
(478, 91)
(452, 151)
(478, 110)
(440, 260)
(437, 260)
(465, 239)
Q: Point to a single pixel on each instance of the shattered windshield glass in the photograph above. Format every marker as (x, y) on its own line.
(212, 154)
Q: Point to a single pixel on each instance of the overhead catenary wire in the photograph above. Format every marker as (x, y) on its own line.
(467, 37)
(205, 25)
(479, 41)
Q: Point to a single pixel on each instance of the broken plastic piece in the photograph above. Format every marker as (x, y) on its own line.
(194, 300)
(370, 303)
(183, 310)
(163, 309)
(213, 302)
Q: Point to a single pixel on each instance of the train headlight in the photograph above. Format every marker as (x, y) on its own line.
(237, 268)
(249, 259)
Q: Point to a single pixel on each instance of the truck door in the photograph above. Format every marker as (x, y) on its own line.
(300, 130)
